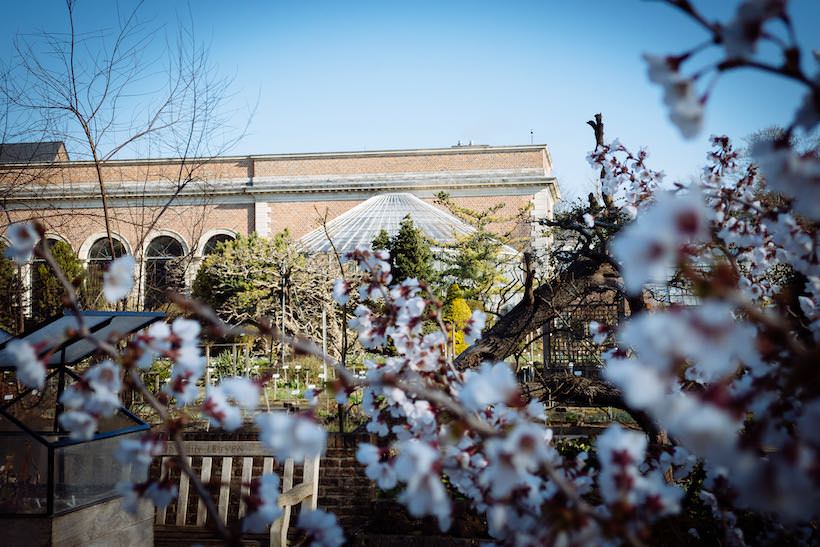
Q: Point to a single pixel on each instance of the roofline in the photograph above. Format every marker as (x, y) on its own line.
(452, 150)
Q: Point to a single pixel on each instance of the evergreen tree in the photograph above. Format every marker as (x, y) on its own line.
(46, 290)
(381, 241)
(410, 253)
(11, 292)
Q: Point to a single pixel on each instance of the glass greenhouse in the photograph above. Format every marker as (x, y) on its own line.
(361, 224)
(42, 470)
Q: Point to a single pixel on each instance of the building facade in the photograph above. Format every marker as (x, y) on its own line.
(164, 210)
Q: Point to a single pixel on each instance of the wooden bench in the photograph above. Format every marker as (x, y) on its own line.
(229, 467)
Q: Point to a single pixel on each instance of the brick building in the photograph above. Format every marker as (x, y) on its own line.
(164, 209)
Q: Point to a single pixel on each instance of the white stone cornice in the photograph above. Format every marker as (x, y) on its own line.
(484, 182)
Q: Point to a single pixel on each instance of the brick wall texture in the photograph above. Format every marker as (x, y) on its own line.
(189, 219)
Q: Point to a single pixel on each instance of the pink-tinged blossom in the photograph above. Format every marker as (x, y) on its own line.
(488, 385)
(152, 342)
(288, 436)
(129, 496)
(95, 395)
(187, 330)
(709, 336)
(679, 94)
(140, 452)
(599, 332)
(161, 494)
(648, 248)
(376, 470)
(219, 411)
(641, 385)
(372, 334)
(321, 528)
(740, 36)
(407, 289)
(243, 390)
(311, 396)
(341, 292)
(589, 220)
(513, 458)
(661, 69)
(474, 326)
(31, 371)
(620, 452)
(182, 386)
(425, 495)
(118, 279)
(262, 504)
(80, 425)
(790, 173)
(808, 114)
(22, 238)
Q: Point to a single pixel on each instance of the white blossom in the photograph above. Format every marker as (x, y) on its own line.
(474, 326)
(80, 425)
(648, 248)
(22, 238)
(161, 493)
(289, 436)
(140, 452)
(341, 292)
(425, 494)
(118, 279)
(321, 528)
(376, 470)
(262, 504)
(31, 371)
(489, 385)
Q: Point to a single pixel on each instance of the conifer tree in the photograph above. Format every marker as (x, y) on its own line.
(381, 241)
(47, 292)
(410, 253)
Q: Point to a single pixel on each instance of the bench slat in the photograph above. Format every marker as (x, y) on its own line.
(244, 489)
(279, 529)
(161, 511)
(310, 476)
(182, 500)
(305, 493)
(297, 494)
(225, 487)
(201, 512)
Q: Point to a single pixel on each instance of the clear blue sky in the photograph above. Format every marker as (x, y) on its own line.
(332, 75)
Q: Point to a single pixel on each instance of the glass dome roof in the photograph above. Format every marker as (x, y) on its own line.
(361, 224)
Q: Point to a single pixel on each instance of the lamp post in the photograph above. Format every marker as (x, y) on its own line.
(283, 279)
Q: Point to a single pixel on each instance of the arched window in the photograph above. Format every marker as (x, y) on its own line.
(163, 270)
(213, 241)
(46, 291)
(99, 255)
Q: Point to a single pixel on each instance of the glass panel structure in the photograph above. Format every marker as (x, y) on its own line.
(42, 470)
(360, 225)
(97, 261)
(162, 270)
(211, 244)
